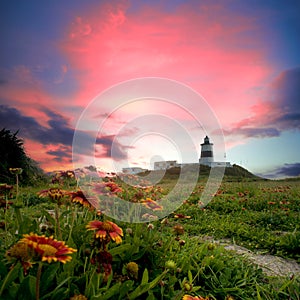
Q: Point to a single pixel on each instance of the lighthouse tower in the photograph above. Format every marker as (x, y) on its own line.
(207, 155)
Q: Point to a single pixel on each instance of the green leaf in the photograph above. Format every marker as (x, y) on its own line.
(9, 278)
(114, 290)
(190, 276)
(150, 296)
(56, 290)
(145, 277)
(47, 278)
(120, 249)
(27, 288)
(143, 288)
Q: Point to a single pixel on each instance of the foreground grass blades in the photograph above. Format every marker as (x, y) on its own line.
(164, 259)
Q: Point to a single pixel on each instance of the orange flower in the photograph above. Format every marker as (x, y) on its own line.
(106, 230)
(149, 203)
(106, 188)
(78, 197)
(181, 216)
(189, 297)
(47, 248)
(55, 194)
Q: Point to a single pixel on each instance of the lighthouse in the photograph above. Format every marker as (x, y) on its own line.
(207, 155)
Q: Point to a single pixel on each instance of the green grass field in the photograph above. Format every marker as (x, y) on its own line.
(162, 259)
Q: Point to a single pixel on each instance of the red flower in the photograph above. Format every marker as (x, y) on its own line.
(106, 230)
(47, 248)
(78, 197)
(149, 203)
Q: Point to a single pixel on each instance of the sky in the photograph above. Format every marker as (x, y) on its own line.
(141, 81)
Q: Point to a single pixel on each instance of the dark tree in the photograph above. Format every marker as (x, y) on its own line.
(13, 155)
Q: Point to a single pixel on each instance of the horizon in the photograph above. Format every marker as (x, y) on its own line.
(70, 75)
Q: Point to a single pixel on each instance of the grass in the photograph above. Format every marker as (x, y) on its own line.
(168, 257)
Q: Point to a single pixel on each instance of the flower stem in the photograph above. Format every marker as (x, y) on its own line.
(38, 279)
(58, 232)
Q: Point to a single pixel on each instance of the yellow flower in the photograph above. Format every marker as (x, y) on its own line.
(132, 269)
(189, 297)
(15, 171)
(79, 297)
(21, 252)
(106, 230)
(149, 203)
(47, 248)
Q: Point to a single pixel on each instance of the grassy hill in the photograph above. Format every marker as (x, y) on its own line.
(234, 173)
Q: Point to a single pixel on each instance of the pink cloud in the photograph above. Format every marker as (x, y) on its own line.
(200, 45)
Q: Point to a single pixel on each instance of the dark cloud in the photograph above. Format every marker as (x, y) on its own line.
(58, 131)
(61, 154)
(259, 132)
(111, 148)
(280, 112)
(287, 170)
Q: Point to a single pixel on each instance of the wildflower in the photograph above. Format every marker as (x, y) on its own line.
(55, 194)
(178, 229)
(164, 221)
(78, 197)
(181, 216)
(201, 204)
(181, 242)
(170, 264)
(151, 204)
(21, 252)
(64, 174)
(113, 187)
(149, 217)
(132, 269)
(150, 226)
(5, 190)
(79, 297)
(187, 286)
(16, 171)
(129, 231)
(103, 261)
(5, 204)
(106, 188)
(47, 248)
(106, 230)
(211, 246)
(189, 297)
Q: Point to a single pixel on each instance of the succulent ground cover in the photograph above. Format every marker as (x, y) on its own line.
(56, 245)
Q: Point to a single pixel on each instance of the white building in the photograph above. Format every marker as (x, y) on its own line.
(133, 170)
(164, 165)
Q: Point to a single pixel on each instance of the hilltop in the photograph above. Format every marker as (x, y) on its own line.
(234, 173)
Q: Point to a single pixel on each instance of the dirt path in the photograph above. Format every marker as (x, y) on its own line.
(270, 264)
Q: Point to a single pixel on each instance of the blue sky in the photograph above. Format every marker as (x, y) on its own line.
(242, 57)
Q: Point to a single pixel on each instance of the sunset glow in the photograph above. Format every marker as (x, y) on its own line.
(242, 58)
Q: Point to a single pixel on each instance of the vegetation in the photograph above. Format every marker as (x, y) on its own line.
(95, 257)
(13, 155)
